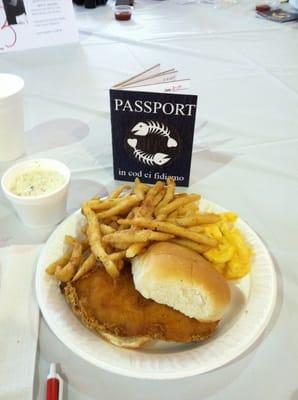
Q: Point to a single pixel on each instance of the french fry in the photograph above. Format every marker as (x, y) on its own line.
(101, 205)
(117, 256)
(131, 214)
(169, 195)
(68, 239)
(66, 273)
(198, 219)
(94, 203)
(179, 195)
(117, 192)
(120, 246)
(169, 217)
(135, 249)
(147, 207)
(109, 221)
(199, 248)
(189, 209)
(175, 204)
(94, 237)
(153, 191)
(140, 189)
(87, 265)
(197, 228)
(124, 205)
(159, 196)
(114, 225)
(129, 236)
(167, 227)
(105, 229)
(145, 187)
(62, 261)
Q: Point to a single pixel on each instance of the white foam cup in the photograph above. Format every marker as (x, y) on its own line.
(12, 143)
(43, 210)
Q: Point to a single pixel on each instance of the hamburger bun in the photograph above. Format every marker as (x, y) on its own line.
(182, 279)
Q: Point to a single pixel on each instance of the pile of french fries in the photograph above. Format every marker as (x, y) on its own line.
(123, 225)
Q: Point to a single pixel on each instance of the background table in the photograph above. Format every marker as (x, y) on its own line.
(245, 71)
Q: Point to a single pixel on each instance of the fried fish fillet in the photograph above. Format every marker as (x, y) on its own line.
(115, 307)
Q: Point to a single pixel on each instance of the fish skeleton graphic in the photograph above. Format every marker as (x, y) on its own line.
(155, 128)
(147, 158)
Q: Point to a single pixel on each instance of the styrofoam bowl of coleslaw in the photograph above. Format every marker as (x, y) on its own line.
(37, 189)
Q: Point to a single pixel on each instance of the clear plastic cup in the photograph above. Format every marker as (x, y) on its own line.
(123, 12)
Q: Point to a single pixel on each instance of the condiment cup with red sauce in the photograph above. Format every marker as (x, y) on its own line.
(123, 12)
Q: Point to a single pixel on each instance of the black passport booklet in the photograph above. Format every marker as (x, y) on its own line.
(152, 127)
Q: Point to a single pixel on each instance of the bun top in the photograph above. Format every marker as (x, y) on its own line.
(182, 279)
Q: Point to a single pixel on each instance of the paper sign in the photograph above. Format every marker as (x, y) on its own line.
(152, 126)
(152, 135)
(28, 24)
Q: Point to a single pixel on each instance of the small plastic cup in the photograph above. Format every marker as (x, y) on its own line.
(40, 211)
(123, 12)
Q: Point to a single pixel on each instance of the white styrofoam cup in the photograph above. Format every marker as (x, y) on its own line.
(38, 211)
(294, 4)
(12, 142)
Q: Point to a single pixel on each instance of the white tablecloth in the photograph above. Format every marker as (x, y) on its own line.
(245, 72)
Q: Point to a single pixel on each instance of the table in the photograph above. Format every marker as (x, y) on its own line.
(245, 71)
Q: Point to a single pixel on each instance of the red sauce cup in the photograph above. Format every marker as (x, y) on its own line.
(123, 12)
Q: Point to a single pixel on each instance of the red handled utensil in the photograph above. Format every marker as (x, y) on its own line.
(54, 385)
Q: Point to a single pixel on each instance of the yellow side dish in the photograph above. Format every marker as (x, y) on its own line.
(233, 256)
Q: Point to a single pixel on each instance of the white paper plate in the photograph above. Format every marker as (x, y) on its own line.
(253, 300)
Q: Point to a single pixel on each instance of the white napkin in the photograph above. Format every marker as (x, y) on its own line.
(19, 322)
